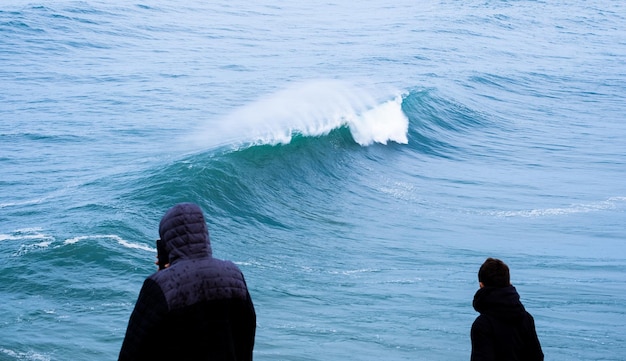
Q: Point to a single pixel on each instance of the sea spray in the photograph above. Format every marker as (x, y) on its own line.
(313, 108)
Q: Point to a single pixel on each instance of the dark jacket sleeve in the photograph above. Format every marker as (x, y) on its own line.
(144, 323)
(534, 347)
(246, 329)
(482, 340)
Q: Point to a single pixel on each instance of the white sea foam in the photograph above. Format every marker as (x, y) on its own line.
(26, 234)
(381, 124)
(23, 203)
(313, 108)
(114, 237)
(610, 203)
(30, 355)
(45, 240)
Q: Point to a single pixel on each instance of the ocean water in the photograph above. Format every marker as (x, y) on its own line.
(357, 160)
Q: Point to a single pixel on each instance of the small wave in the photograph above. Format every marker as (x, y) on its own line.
(36, 239)
(42, 199)
(24, 203)
(611, 203)
(28, 240)
(26, 234)
(29, 355)
(311, 109)
(355, 271)
(114, 237)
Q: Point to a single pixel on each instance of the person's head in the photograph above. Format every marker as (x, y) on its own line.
(184, 232)
(494, 273)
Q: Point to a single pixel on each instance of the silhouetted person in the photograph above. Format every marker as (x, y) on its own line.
(504, 331)
(198, 308)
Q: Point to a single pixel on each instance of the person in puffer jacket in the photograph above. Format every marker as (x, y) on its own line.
(504, 330)
(198, 308)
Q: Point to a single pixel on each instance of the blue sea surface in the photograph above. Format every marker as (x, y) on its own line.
(358, 161)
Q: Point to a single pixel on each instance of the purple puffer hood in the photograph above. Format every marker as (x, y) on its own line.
(184, 232)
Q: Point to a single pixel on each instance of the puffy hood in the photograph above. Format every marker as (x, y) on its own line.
(184, 232)
(500, 302)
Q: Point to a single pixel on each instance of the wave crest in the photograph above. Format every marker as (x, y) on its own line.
(312, 109)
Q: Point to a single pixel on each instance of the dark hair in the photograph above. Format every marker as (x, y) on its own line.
(494, 273)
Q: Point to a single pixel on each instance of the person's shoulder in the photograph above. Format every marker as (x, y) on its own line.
(481, 327)
(481, 320)
(528, 317)
(226, 264)
(159, 275)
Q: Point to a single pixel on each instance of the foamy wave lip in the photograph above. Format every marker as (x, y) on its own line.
(610, 203)
(314, 108)
(384, 123)
(114, 237)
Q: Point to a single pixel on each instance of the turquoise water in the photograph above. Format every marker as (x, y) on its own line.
(357, 162)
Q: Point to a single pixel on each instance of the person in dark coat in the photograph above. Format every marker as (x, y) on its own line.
(198, 308)
(504, 330)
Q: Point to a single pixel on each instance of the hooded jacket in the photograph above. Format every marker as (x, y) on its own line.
(504, 330)
(198, 308)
